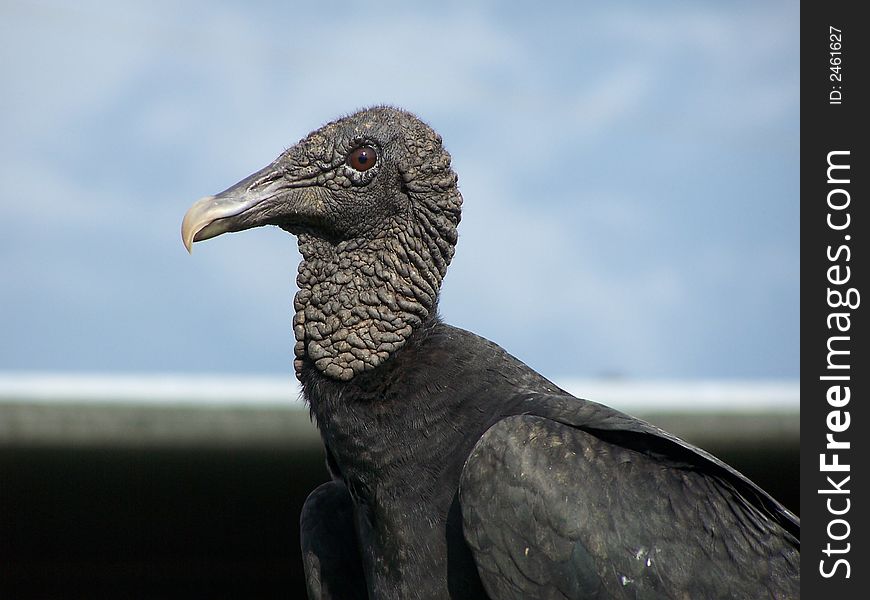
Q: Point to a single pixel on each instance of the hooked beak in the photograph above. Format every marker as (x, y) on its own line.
(265, 198)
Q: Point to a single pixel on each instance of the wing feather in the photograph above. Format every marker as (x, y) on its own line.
(551, 510)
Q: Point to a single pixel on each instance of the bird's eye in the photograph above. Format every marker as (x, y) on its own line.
(363, 158)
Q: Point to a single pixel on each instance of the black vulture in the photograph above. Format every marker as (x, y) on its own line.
(457, 470)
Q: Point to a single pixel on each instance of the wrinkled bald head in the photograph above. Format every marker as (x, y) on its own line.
(375, 205)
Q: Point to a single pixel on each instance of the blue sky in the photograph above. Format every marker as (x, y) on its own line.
(630, 175)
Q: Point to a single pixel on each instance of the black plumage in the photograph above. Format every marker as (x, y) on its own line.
(458, 471)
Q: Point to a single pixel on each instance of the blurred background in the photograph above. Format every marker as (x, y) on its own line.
(630, 230)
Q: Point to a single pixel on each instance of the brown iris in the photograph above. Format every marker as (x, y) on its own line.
(363, 158)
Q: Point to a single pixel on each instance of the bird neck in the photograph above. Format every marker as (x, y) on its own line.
(360, 300)
(381, 423)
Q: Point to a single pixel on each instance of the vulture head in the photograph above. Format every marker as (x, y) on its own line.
(374, 204)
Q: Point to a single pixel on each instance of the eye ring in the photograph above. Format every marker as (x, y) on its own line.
(362, 158)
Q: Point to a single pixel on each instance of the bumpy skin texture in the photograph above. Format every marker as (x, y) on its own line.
(361, 294)
(458, 471)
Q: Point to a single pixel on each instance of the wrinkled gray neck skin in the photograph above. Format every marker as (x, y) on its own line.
(360, 299)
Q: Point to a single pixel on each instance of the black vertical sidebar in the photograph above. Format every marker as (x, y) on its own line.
(835, 225)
